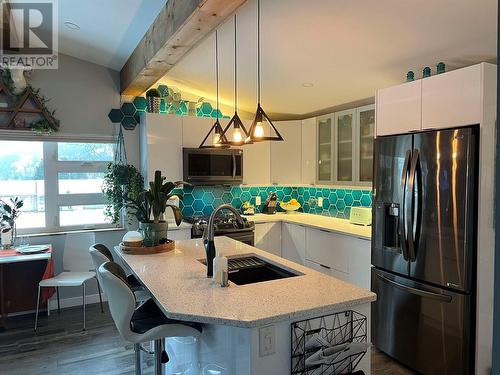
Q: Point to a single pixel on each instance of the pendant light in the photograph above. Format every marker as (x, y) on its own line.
(256, 132)
(239, 132)
(215, 136)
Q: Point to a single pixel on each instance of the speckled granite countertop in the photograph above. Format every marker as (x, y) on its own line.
(331, 224)
(177, 281)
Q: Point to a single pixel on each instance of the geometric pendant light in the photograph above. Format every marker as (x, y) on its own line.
(256, 132)
(235, 132)
(215, 137)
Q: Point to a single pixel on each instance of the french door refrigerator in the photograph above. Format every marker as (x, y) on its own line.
(424, 249)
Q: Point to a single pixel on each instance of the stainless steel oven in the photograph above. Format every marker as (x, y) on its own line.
(213, 166)
(225, 225)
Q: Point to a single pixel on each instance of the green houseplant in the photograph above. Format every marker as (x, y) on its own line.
(10, 211)
(150, 206)
(121, 182)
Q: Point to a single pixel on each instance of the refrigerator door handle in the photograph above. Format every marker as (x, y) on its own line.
(419, 292)
(409, 213)
(404, 176)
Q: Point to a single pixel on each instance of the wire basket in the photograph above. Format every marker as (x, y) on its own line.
(335, 329)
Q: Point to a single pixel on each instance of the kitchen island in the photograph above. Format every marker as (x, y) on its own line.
(235, 317)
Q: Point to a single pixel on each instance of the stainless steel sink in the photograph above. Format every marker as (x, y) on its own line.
(250, 269)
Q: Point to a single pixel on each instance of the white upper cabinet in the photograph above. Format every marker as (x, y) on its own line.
(161, 146)
(365, 134)
(344, 145)
(445, 100)
(452, 99)
(308, 168)
(256, 162)
(325, 149)
(399, 108)
(194, 130)
(286, 156)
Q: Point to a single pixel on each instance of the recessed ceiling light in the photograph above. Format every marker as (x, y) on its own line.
(307, 84)
(71, 25)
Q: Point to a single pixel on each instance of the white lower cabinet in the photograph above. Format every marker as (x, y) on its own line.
(268, 237)
(343, 256)
(179, 234)
(327, 270)
(293, 242)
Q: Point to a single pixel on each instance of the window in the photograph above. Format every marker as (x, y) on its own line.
(60, 183)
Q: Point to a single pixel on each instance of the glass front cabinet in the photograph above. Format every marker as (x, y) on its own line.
(345, 147)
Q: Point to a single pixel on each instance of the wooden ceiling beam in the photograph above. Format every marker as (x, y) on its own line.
(180, 25)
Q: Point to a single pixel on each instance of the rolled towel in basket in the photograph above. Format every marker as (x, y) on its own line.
(336, 353)
(316, 341)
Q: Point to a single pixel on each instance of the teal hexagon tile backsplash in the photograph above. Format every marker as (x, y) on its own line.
(337, 202)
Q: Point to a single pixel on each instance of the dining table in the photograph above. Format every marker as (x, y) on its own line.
(12, 256)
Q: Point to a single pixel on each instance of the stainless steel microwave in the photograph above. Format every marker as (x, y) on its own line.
(211, 166)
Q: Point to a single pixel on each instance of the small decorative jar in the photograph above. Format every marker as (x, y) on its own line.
(440, 68)
(410, 76)
(426, 72)
(153, 100)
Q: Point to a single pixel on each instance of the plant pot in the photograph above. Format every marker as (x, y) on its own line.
(153, 104)
(8, 237)
(153, 233)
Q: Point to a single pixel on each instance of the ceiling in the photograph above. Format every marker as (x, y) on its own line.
(345, 48)
(109, 30)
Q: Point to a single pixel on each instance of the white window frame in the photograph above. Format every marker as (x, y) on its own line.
(54, 200)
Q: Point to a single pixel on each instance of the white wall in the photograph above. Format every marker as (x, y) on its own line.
(82, 94)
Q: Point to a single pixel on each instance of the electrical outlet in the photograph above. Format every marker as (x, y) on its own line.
(258, 200)
(320, 202)
(267, 341)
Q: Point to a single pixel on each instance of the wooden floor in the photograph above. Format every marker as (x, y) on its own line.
(61, 347)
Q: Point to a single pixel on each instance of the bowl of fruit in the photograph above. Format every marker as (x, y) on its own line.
(291, 206)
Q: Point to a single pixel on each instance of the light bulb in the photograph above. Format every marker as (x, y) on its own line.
(216, 139)
(237, 135)
(259, 130)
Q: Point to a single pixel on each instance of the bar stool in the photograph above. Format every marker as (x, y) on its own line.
(143, 323)
(100, 254)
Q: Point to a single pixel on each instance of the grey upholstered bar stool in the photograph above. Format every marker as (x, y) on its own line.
(100, 254)
(143, 323)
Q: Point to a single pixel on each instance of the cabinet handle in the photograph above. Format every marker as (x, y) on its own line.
(324, 266)
(324, 230)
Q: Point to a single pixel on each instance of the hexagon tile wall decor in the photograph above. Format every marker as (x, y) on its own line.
(171, 103)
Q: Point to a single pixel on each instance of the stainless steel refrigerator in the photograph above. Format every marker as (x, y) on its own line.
(424, 249)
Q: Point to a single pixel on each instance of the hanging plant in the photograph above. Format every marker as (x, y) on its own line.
(121, 182)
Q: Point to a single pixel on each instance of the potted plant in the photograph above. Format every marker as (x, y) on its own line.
(150, 206)
(10, 213)
(121, 181)
(153, 99)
